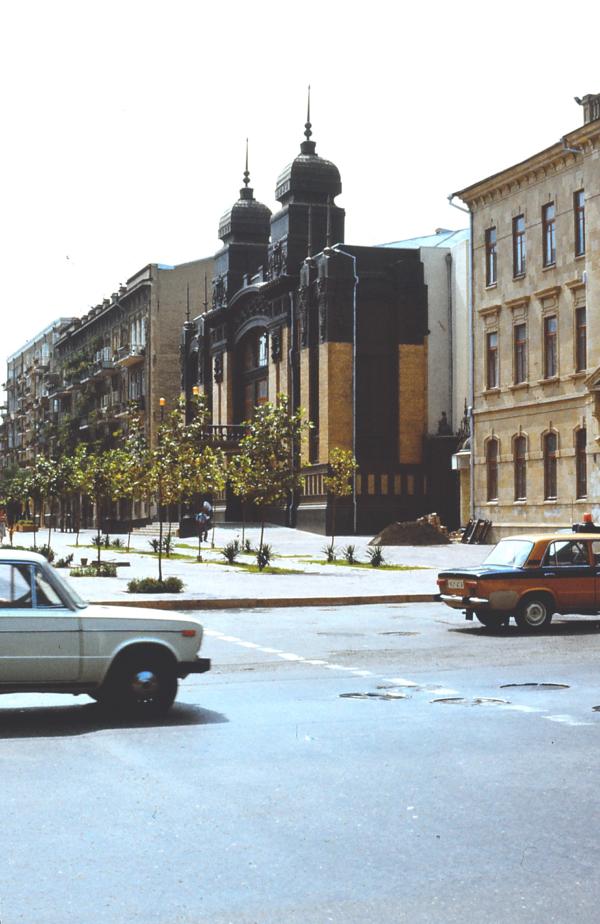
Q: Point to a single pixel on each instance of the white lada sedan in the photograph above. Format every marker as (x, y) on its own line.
(127, 658)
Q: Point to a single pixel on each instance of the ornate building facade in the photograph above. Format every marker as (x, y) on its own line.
(342, 330)
(536, 336)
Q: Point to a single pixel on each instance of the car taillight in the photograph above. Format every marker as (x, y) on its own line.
(188, 633)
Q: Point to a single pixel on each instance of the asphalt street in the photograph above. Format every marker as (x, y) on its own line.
(376, 764)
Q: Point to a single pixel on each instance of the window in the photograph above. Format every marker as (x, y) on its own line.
(490, 257)
(15, 585)
(519, 246)
(520, 466)
(581, 462)
(550, 447)
(566, 553)
(550, 347)
(520, 349)
(580, 339)
(579, 214)
(491, 456)
(492, 359)
(549, 234)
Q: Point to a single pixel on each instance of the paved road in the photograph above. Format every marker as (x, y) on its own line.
(343, 765)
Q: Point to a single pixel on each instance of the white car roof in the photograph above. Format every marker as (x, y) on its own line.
(18, 555)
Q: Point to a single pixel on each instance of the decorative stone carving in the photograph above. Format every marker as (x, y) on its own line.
(278, 260)
(218, 368)
(219, 291)
(276, 346)
(303, 301)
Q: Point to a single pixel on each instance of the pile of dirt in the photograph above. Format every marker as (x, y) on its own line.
(426, 530)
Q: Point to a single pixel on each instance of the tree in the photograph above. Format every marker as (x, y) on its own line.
(132, 480)
(266, 470)
(42, 482)
(339, 479)
(97, 479)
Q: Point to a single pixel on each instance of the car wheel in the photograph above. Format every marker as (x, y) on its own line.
(492, 620)
(534, 612)
(144, 684)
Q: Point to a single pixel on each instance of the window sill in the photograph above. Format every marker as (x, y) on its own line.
(491, 503)
(580, 256)
(519, 276)
(492, 285)
(551, 380)
(578, 375)
(492, 391)
(519, 386)
(548, 266)
(550, 500)
(522, 502)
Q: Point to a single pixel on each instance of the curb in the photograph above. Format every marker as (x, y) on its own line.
(250, 603)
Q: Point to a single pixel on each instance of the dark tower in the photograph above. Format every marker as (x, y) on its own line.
(244, 230)
(306, 190)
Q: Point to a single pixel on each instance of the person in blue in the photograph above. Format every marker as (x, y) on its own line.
(204, 520)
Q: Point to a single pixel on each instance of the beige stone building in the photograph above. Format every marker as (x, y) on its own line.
(536, 337)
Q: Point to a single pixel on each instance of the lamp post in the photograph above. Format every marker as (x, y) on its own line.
(161, 402)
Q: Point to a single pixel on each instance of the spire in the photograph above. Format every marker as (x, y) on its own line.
(308, 146)
(310, 230)
(246, 192)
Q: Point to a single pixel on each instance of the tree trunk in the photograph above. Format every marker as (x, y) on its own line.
(98, 524)
(34, 527)
(334, 500)
(160, 533)
(130, 524)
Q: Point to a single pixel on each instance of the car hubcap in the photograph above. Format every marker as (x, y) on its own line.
(535, 614)
(144, 684)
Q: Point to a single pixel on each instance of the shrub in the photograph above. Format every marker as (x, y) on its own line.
(64, 562)
(100, 543)
(102, 569)
(329, 552)
(231, 551)
(171, 585)
(376, 556)
(166, 546)
(117, 543)
(264, 556)
(349, 555)
(44, 550)
(248, 546)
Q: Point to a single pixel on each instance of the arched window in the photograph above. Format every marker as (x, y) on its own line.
(550, 449)
(252, 373)
(491, 458)
(520, 467)
(581, 462)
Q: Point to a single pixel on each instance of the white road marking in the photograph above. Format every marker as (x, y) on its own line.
(565, 720)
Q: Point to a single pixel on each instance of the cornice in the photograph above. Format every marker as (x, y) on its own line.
(539, 167)
(547, 293)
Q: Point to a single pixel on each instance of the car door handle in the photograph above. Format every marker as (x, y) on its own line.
(549, 573)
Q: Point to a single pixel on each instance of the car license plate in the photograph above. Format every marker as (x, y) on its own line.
(455, 584)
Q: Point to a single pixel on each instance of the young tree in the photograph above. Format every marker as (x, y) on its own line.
(132, 483)
(338, 481)
(266, 470)
(97, 479)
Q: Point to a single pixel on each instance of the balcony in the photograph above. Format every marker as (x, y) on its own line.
(224, 435)
(130, 355)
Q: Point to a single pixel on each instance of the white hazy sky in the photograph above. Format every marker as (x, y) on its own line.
(124, 123)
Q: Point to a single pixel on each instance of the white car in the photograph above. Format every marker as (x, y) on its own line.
(52, 641)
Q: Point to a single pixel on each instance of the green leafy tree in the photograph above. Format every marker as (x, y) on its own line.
(98, 480)
(266, 469)
(132, 479)
(339, 479)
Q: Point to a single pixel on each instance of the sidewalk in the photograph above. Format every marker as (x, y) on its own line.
(211, 585)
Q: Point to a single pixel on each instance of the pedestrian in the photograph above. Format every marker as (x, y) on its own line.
(207, 510)
(202, 521)
(2, 526)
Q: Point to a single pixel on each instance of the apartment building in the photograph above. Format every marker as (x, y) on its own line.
(536, 335)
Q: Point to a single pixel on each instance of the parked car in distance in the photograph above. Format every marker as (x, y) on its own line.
(529, 578)
(126, 658)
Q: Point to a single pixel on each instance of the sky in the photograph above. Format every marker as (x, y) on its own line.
(124, 123)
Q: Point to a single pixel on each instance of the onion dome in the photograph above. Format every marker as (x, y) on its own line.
(247, 221)
(309, 178)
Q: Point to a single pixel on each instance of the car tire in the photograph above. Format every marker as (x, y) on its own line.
(534, 612)
(493, 620)
(140, 684)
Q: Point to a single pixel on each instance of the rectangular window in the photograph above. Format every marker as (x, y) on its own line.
(520, 447)
(492, 470)
(519, 246)
(550, 347)
(579, 214)
(520, 340)
(549, 234)
(490, 257)
(580, 339)
(492, 359)
(550, 481)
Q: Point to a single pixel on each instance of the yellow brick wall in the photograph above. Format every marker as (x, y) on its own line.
(335, 398)
(412, 398)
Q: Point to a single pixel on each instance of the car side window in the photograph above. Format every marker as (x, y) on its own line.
(45, 595)
(566, 553)
(15, 585)
(596, 551)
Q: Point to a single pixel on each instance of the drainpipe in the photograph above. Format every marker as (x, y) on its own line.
(448, 259)
(354, 356)
(471, 353)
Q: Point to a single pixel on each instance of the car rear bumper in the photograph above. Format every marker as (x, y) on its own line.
(464, 603)
(197, 666)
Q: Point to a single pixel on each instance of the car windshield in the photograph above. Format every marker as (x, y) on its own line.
(510, 552)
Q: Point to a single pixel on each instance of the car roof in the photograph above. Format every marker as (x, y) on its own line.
(19, 555)
(552, 537)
